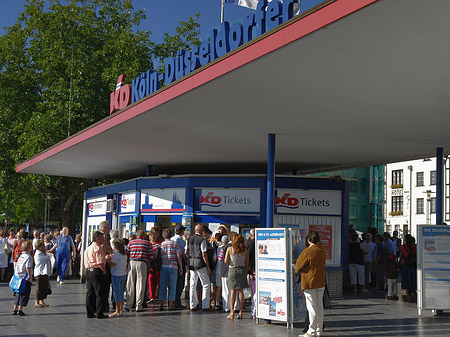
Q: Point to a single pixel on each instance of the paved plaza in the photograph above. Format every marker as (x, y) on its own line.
(352, 315)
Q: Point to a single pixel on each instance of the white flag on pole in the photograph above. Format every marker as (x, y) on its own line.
(244, 3)
(253, 3)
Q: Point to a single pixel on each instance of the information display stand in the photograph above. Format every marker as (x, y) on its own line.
(278, 297)
(433, 268)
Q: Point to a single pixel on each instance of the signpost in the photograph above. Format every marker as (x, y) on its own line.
(433, 268)
(278, 297)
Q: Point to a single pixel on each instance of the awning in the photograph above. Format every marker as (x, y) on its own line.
(355, 83)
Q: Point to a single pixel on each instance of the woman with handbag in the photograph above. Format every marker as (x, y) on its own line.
(23, 270)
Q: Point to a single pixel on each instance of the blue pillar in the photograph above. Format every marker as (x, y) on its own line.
(149, 170)
(270, 181)
(439, 186)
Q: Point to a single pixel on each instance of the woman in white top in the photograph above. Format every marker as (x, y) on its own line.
(23, 270)
(4, 250)
(118, 263)
(41, 272)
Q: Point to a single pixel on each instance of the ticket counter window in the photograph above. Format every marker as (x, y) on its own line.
(164, 222)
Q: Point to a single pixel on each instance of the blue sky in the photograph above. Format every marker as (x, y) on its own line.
(162, 15)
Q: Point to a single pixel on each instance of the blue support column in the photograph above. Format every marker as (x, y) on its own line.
(149, 170)
(270, 181)
(439, 186)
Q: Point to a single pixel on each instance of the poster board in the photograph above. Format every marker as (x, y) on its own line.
(272, 274)
(297, 299)
(433, 268)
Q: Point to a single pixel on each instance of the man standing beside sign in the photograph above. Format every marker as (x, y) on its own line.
(311, 263)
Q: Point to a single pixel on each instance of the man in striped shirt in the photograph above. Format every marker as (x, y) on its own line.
(140, 253)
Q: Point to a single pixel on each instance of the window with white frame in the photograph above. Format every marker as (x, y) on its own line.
(420, 203)
(433, 178)
(419, 179)
(397, 177)
(433, 205)
(397, 204)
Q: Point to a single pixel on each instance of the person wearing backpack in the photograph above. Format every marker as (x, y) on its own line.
(17, 251)
(408, 259)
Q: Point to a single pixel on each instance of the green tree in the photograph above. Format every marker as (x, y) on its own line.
(186, 36)
(58, 65)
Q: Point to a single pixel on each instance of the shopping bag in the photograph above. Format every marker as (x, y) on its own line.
(17, 284)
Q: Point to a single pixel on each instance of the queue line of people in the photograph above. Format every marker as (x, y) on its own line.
(162, 264)
(375, 261)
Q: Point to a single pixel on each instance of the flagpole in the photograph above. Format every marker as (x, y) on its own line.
(221, 10)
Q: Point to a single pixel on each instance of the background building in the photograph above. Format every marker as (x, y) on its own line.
(366, 205)
(411, 195)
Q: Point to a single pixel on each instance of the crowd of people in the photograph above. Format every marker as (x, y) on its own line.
(39, 258)
(376, 261)
(150, 269)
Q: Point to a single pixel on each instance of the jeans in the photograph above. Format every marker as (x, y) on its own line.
(118, 285)
(314, 304)
(180, 287)
(167, 275)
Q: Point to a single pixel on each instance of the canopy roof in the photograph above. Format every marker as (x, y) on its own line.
(355, 83)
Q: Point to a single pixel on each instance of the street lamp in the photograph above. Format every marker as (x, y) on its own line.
(428, 214)
(410, 168)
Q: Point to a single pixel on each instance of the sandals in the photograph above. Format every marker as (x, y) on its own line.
(239, 316)
(161, 307)
(172, 308)
(230, 316)
(14, 312)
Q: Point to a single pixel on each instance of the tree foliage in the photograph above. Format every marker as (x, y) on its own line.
(58, 64)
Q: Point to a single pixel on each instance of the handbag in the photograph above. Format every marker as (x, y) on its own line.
(6, 248)
(17, 284)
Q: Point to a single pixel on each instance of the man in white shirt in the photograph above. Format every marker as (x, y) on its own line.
(369, 253)
(196, 250)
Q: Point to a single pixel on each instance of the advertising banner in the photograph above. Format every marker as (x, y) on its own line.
(326, 237)
(128, 203)
(298, 303)
(321, 202)
(228, 200)
(163, 200)
(433, 252)
(271, 272)
(97, 208)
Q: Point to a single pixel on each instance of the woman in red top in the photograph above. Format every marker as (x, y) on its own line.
(408, 258)
(153, 275)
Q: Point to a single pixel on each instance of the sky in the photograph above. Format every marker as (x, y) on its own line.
(162, 15)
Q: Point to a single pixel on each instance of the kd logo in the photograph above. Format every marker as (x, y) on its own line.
(120, 98)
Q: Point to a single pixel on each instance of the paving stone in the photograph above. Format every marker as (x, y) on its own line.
(352, 315)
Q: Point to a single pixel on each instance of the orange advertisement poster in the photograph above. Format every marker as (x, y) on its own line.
(326, 235)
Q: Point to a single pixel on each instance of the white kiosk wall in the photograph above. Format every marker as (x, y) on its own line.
(329, 229)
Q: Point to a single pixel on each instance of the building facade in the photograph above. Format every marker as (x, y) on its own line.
(410, 195)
